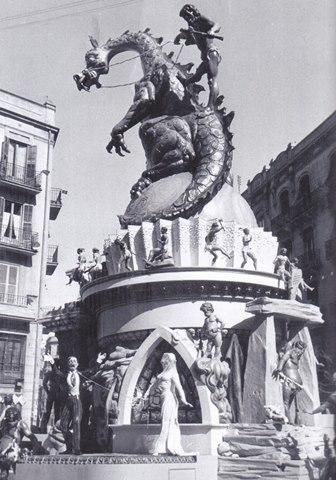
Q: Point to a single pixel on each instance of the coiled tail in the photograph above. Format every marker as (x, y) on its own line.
(213, 160)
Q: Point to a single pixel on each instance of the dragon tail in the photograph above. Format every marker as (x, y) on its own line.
(213, 160)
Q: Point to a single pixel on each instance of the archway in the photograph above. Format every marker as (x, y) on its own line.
(185, 349)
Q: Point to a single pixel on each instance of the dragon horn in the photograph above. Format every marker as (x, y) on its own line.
(93, 41)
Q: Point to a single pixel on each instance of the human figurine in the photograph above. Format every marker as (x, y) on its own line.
(287, 372)
(53, 384)
(246, 250)
(126, 255)
(159, 253)
(7, 402)
(202, 32)
(296, 281)
(280, 262)
(79, 273)
(95, 270)
(168, 385)
(212, 330)
(72, 412)
(13, 429)
(211, 241)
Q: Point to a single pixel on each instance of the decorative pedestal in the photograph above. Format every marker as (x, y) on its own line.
(105, 467)
(153, 310)
(294, 317)
(149, 312)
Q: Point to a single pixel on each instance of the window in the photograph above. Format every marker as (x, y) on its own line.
(8, 283)
(284, 202)
(18, 161)
(308, 243)
(330, 249)
(12, 355)
(12, 219)
(304, 190)
(16, 223)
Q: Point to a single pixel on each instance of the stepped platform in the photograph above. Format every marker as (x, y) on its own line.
(252, 451)
(117, 466)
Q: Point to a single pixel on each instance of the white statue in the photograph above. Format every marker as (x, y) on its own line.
(96, 268)
(296, 281)
(280, 262)
(169, 386)
(246, 250)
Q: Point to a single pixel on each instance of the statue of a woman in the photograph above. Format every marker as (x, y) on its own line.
(169, 386)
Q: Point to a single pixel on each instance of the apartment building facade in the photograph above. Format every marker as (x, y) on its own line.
(295, 198)
(27, 202)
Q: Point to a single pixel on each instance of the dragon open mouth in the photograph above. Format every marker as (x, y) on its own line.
(86, 80)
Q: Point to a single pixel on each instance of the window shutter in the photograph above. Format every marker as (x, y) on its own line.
(27, 225)
(4, 155)
(31, 161)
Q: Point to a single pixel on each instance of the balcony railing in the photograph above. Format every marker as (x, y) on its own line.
(20, 175)
(308, 206)
(56, 202)
(9, 374)
(52, 259)
(52, 254)
(19, 238)
(56, 197)
(303, 209)
(13, 299)
(281, 222)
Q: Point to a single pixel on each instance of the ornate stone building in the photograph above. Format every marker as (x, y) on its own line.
(295, 198)
(27, 203)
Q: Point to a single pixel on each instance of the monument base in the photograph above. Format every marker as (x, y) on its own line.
(140, 439)
(126, 467)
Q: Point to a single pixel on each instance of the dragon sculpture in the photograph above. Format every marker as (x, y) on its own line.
(177, 132)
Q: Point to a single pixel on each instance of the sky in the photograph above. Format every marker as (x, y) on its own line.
(277, 73)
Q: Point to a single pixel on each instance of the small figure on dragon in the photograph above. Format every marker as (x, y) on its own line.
(177, 132)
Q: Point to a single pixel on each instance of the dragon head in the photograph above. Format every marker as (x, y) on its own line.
(97, 64)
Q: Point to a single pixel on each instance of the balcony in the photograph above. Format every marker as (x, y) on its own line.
(305, 209)
(52, 259)
(281, 223)
(19, 240)
(10, 299)
(20, 178)
(56, 202)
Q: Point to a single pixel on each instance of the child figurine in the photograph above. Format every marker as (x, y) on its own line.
(126, 255)
(246, 251)
(159, 253)
(78, 274)
(280, 262)
(210, 242)
(212, 330)
(96, 268)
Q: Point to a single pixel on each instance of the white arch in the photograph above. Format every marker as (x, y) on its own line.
(187, 351)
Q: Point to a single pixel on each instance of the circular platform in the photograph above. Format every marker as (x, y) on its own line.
(144, 300)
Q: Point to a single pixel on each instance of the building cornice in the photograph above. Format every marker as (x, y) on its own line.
(30, 121)
(320, 131)
(279, 165)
